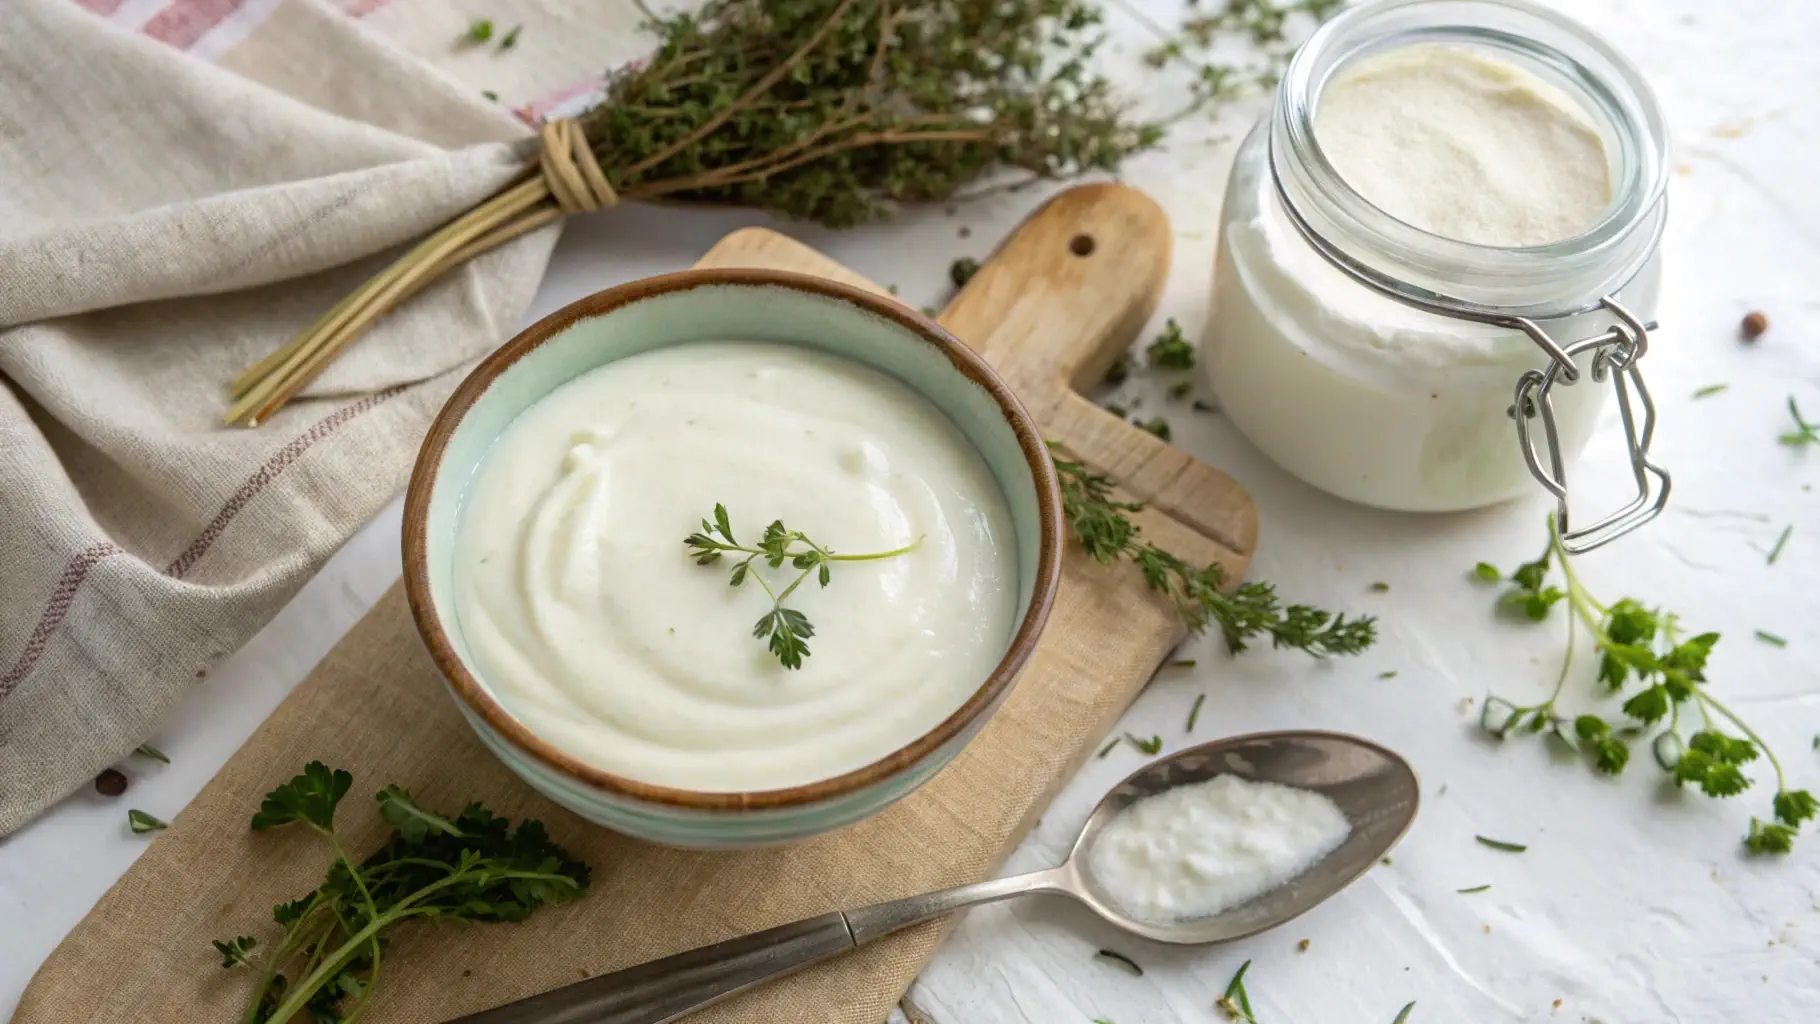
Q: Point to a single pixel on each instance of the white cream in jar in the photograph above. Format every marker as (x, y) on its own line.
(1441, 168)
(592, 624)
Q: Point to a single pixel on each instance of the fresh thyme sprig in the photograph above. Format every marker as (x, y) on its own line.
(1805, 433)
(1100, 522)
(785, 630)
(1662, 674)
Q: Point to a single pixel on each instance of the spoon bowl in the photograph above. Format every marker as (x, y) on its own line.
(1373, 787)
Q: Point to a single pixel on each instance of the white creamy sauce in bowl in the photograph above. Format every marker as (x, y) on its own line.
(592, 624)
(1195, 850)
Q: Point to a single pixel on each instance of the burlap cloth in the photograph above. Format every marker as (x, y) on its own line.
(166, 218)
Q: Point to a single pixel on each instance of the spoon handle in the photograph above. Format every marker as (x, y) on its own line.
(668, 989)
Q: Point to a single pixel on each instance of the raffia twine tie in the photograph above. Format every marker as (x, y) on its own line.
(575, 179)
(565, 180)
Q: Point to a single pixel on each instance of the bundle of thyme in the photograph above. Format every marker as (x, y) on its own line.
(832, 111)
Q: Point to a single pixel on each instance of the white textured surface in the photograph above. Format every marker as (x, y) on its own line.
(1633, 904)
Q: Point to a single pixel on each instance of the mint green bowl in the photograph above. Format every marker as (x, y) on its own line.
(715, 305)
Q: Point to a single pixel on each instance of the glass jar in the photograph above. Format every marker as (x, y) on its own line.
(1405, 370)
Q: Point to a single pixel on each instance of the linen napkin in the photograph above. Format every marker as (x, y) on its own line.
(184, 184)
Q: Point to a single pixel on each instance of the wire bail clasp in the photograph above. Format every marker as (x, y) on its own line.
(1615, 354)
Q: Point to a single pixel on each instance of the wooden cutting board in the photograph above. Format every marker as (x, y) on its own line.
(1050, 309)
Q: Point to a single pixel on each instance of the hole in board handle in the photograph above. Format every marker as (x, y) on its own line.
(1081, 245)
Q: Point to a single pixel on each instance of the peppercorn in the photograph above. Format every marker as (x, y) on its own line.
(111, 782)
(1755, 323)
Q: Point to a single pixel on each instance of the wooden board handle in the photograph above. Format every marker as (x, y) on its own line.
(1051, 310)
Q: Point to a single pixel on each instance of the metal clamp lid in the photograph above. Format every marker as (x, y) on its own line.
(1615, 354)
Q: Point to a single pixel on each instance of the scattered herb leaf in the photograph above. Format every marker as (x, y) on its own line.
(1170, 350)
(1107, 749)
(1476, 888)
(147, 750)
(1499, 844)
(1180, 390)
(1103, 527)
(1182, 663)
(785, 630)
(1486, 572)
(1710, 390)
(1236, 1003)
(1781, 542)
(962, 270)
(1805, 433)
(490, 94)
(1388, 674)
(1157, 425)
(1118, 372)
(479, 31)
(1200, 405)
(141, 822)
(1194, 713)
(1379, 588)
(473, 867)
(1150, 746)
(511, 38)
(1771, 639)
(1122, 960)
(1403, 1014)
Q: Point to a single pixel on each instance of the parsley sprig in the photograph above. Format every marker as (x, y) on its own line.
(474, 867)
(1660, 672)
(1102, 525)
(785, 630)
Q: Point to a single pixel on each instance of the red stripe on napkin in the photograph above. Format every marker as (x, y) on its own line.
(102, 7)
(185, 21)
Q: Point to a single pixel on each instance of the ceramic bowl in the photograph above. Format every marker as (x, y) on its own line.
(702, 305)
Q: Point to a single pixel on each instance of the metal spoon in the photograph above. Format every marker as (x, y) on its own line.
(1374, 787)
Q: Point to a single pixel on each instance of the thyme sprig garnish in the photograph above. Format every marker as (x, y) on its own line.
(1645, 657)
(1103, 526)
(785, 630)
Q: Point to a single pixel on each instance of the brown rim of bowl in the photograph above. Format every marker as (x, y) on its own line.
(468, 689)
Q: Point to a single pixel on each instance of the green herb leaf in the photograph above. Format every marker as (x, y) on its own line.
(1771, 639)
(147, 750)
(1766, 838)
(1236, 1003)
(511, 38)
(310, 797)
(1122, 960)
(1793, 807)
(141, 822)
(1388, 674)
(1379, 588)
(1107, 749)
(1170, 350)
(1150, 746)
(1476, 888)
(236, 951)
(490, 94)
(1159, 426)
(1781, 542)
(413, 823)
(479, 31)
(1118, 372)
(1194, 713)
(1486, 572)
(1403, 1014)
(1709, 390)
(1499, 844)
(962, 270)
(1180, 389)
(1805, 433)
